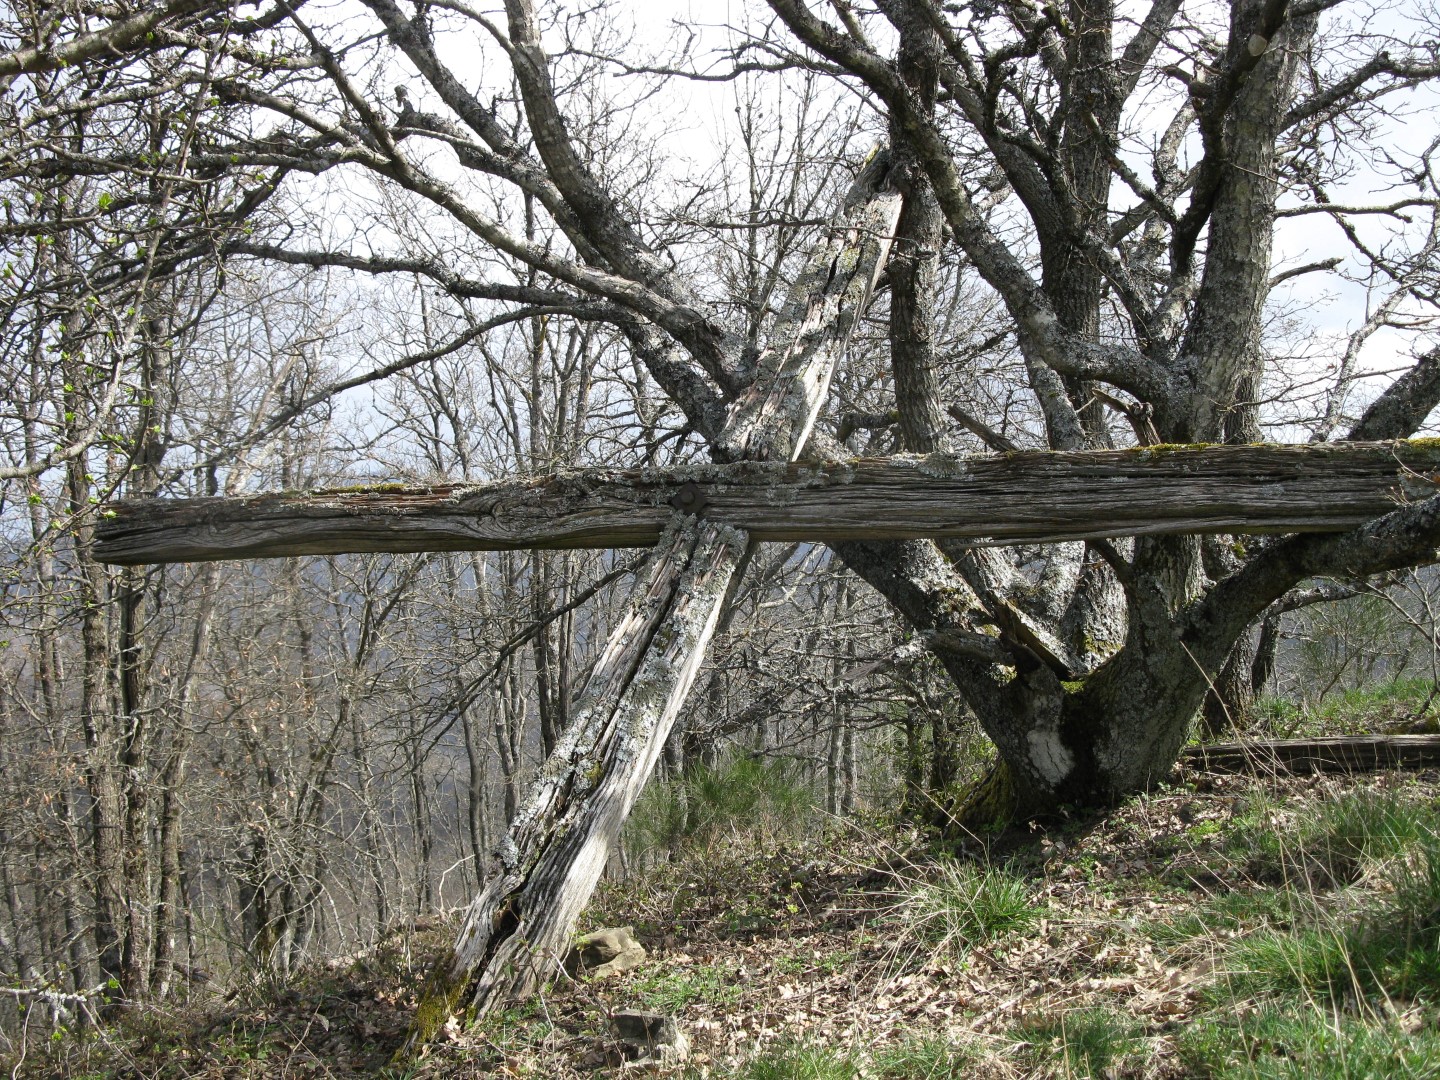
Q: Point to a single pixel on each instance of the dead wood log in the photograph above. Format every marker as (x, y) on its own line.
(1341, 753)
(517, 929)
(1026, 497)
(554, 852)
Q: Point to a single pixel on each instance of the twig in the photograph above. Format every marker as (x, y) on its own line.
(982, 431)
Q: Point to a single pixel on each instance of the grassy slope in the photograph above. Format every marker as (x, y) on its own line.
(1229, 927)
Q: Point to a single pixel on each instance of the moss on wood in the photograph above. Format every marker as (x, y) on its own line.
(987, 805)
(439, 1001)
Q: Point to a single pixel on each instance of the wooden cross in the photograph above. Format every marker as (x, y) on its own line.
(702, 521)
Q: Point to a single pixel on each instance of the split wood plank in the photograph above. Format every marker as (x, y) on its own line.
(1340, 753)
(553, 853)
(1024, 497)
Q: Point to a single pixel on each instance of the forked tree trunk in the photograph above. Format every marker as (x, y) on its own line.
(1118, 730)
(556, 848)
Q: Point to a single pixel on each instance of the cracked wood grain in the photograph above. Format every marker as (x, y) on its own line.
(1025, 497)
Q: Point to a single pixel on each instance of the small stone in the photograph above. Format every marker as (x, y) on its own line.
(654, 1037)
(605, 952)
(644, 1028)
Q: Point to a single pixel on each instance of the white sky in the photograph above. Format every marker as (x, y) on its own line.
(697, 120)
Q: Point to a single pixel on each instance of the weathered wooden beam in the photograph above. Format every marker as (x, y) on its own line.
(1340, 753)
(556, 847)
(1023, 497)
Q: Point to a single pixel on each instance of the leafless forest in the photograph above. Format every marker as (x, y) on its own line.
(290, 246)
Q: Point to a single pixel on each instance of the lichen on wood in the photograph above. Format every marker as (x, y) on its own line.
(1027, 497)
(558, 844)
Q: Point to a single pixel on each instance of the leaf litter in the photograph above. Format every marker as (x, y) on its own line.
(815, 946)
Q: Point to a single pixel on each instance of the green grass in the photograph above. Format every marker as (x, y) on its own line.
(519, 1025)
(1370, 825)
(1393, 954)
(1390, 945)
(1312, 991)
(795, 1061)
(760, 798)
(1306, 1043)
(967, 905)
(1226, 911)
(1305, 962)
(1319, 848)
(827, 963)
(1376, 703)
(925, 1059)
(671, 991)
(1346, 938)
(1089, 1040)
(1350, 711)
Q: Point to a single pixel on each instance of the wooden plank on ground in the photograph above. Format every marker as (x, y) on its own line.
(1341, 753)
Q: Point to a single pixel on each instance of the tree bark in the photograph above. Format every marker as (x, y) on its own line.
(1230, 699)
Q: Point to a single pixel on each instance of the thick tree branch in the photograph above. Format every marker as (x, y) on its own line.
(1404, 537)
(1405, 73)
(981, 430)
(1406, 403)
(1039, 330)
(605, 225)
(1341, 753)
(1142, 46)
(510, 161)
(454, 284)
(1251, 35)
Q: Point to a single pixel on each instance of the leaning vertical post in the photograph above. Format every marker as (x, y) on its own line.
(557, 846)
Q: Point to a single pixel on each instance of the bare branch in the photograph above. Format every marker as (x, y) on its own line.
(115, 39)
(981, 430)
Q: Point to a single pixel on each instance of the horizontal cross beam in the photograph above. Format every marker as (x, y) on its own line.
(1022, 497)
